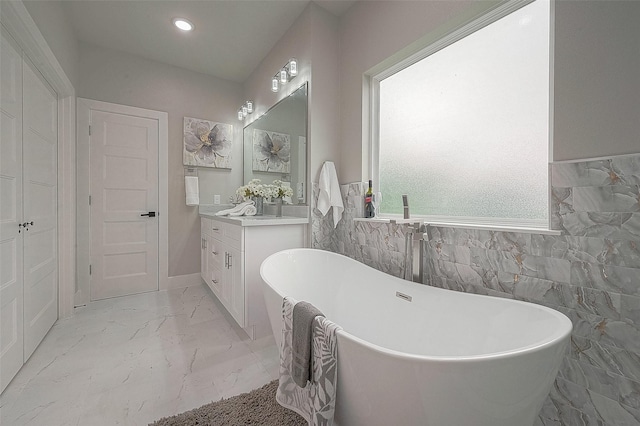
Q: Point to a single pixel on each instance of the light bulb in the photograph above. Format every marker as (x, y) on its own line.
(283, 76)
(293, 67)
(240, 116)
(249, 106)
(274, 84)
(244, 111)
(183, 24)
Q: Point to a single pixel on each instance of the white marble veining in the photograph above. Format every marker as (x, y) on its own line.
(133, 360)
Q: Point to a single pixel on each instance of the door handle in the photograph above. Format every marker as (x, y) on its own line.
(150, 214)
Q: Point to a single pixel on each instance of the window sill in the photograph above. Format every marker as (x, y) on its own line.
(460, 225)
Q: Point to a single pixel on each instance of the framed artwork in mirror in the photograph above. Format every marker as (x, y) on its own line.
(207, 143)
(271, 151)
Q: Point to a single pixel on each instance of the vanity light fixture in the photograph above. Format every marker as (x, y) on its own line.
(293, 67)
(285, 75)
(245, 109)
(183, 24)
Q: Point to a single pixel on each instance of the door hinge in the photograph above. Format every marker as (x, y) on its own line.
(89, 129)
(89, 199)
(89, 269)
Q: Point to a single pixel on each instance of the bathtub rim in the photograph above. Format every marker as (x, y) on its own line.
(556, 339)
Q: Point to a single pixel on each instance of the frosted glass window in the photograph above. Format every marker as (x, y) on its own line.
(464, 132)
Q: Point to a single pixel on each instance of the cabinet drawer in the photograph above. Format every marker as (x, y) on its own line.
(215, 281)
(205, 226)
(216, 252)
(216, 229)
(227, 233)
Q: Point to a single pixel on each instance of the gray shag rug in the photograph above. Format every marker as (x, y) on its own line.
(258, 407)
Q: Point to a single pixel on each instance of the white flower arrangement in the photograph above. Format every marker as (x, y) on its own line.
(257, 189)
(282, 191)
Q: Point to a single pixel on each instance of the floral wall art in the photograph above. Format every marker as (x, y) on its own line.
(207, 143)
(271, 152)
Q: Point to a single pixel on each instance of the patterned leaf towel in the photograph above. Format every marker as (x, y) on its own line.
(316, 402)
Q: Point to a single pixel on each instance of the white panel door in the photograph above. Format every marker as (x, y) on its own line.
(11, 242)
(124, 187)
(40, 171)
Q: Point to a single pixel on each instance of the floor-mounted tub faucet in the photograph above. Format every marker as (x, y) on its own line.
(414, 252)
(405, 205)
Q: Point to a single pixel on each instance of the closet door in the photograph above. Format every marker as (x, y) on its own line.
(39, 146)
(11, 282)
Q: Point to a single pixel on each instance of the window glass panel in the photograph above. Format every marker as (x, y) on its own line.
(464, 132)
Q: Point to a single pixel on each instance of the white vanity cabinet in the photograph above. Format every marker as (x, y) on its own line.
(233, 250)
(222, 265)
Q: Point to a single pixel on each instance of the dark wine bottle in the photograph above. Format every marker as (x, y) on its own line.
(369, 209)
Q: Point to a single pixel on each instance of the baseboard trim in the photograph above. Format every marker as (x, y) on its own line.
(181, 281)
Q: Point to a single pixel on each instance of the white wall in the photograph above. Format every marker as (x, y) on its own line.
(597, 94)
(112, 76)
(374, 35)
(52, 22)
(313, 40)
(597, 71)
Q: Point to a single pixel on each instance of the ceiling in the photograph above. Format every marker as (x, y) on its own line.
(230, 39)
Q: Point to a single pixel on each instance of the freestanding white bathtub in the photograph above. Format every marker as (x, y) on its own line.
(444, 358)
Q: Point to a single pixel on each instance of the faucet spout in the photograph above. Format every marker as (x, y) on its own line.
(405, 204)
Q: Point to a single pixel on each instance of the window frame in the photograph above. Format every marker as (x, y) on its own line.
(372, 89)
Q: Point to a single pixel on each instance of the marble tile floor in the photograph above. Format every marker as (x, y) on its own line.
(132, 360)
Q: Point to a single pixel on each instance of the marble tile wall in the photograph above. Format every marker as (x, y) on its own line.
(379, 245)
(591, 273)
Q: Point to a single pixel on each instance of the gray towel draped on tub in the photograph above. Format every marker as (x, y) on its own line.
(316, 401)
(303, 315)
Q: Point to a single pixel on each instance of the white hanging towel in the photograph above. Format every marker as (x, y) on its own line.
(329, 195)
(192, 191)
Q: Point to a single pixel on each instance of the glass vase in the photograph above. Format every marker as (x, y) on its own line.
(259, 203)
(279, 207)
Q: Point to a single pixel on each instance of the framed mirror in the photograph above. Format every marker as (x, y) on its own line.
(275, 145)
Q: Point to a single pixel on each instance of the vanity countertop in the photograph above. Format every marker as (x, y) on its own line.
(265, 220)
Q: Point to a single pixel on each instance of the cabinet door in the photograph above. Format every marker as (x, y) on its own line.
(204, 258)
(215, 276)
(235, 274)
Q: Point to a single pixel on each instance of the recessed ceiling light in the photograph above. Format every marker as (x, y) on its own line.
(183, 24)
